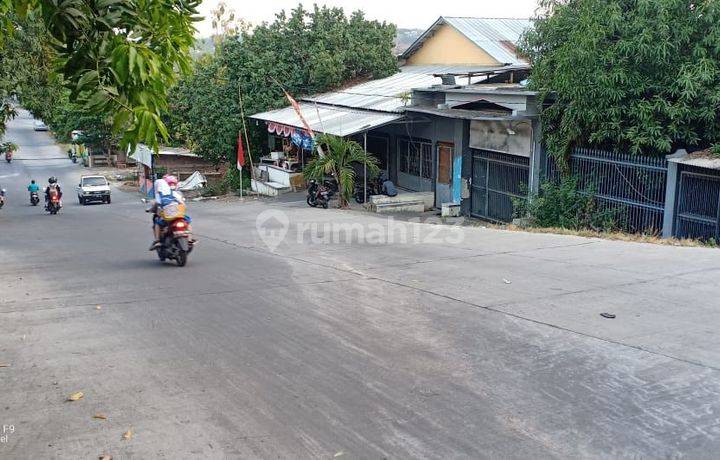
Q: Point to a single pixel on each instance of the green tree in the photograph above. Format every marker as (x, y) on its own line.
(116, 56)
(340, 159)
(635, 75)
(204, 112)
(306, 51)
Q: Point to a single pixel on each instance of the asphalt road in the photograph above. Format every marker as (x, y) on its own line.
(447, 343)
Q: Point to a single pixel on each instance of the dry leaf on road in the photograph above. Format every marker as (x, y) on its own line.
(99, 307)
(100, 416)
(105, 457)
(128, 434)
(76, 396)
(4, 365)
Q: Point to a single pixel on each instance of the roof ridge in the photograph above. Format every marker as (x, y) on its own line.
(485, 17)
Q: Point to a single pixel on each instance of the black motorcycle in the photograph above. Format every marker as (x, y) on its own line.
(318, 195)
(374, 187)
(34, 198)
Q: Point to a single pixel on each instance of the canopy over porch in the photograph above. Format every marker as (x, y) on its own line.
(338, 121)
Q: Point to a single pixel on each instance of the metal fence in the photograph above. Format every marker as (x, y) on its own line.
(697, 214)
(497, 178)
(630, 187)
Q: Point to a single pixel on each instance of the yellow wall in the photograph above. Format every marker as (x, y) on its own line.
(448, 46)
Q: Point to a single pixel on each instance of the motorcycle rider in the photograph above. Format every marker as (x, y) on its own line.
(52, 185)
(165, 193)
(33, 187)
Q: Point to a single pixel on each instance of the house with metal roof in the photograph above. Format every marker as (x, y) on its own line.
(421, 137)
(473, 41)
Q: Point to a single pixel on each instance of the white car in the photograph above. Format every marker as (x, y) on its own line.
(38, 125)
(93, 188)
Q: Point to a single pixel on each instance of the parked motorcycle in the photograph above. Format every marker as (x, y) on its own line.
(374, 187)
(73, 157)
(2, 198)
(8, 156)
(53, 205)
(34, 198)
(318, 195)
(332, 186)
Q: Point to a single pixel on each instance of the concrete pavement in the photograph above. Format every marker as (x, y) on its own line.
(448, 343)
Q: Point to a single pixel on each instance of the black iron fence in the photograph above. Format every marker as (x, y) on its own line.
(630, 187)
(697, 212)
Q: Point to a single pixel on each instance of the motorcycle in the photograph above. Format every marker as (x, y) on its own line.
(318, 195)
(53, 205)
(175, 242)
(8, 156)
(2, 198)
(73, 157)
(34, 198)
(374, 187)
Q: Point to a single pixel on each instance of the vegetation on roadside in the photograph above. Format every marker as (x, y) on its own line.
(305, 51)
(115, 58)
(610, 235)
(629, 75)
(565, 205)
(8, 147)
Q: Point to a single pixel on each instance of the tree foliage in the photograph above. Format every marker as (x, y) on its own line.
(305, 51)
(341, 157)
(28, 70)
(635, 75)
(116, 56)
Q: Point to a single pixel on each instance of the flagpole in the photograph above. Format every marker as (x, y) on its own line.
(247, 138)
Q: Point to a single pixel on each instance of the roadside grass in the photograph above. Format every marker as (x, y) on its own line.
(615, 236)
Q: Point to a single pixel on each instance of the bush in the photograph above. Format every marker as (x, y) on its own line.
(231, 182)
(234, 182)
(565, 205)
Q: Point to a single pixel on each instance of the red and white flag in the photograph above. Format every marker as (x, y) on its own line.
(240, 153)
(296, 106)
(309, 130)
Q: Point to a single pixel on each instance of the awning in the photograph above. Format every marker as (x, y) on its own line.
(338, 121)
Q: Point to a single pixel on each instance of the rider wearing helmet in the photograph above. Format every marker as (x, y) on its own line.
(53, 183)
(165, 193)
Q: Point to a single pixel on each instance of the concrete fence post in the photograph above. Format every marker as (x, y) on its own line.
(671, 193)
(535, 159)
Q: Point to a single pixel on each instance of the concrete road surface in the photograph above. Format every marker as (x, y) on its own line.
(309, 333)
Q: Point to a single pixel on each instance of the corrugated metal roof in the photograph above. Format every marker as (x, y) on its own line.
(338, 121)
(391, 94)
(496, 36)
(143, 154)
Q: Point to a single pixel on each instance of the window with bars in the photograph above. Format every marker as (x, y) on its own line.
(416, 158)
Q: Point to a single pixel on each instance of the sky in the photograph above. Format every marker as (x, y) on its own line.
(417, 14)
